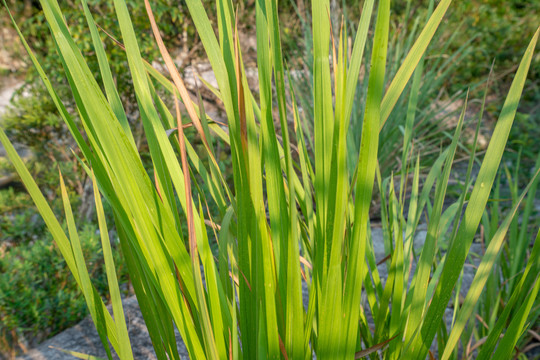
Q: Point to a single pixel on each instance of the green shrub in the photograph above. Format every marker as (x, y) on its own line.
(38, 295)
(498, 28)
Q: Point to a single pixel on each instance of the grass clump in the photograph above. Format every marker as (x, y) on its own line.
(294, 217)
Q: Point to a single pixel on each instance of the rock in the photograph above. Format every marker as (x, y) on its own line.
(378, 243)
(7, 180)
(6, 93)
(83, 338)
(204, 70)
(11, 49)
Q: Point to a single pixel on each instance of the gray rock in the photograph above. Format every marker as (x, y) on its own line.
(83, 338)
(7, 92)
(7, 89)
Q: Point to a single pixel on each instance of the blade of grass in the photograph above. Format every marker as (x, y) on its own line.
(367, 160)
(124, 352)
(86, 285)
(110, 88)
(76, 354)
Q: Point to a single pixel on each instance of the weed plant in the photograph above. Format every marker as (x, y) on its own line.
(290, 220)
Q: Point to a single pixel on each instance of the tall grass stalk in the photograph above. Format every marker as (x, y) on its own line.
(290, 220)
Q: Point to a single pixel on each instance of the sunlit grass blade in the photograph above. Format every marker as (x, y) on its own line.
(178, 82)
(124, 352)
(86, 285)
(307, 209)
(410, 226)
(76, 354)
(169, 86)
(206, 328)
(288, 251)
(306, 172)
(108, 82)
(150, 306)
(277, 208)
(219, 317)
(400, 283)
(357, 55)
(367, 160)
(218, 187)
(212, 323)
(323, 115)
(409, 123)
(136, 182)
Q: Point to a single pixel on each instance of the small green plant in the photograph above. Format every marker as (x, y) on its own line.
(290, 217)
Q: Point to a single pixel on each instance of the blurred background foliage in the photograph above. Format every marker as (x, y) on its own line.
(31, 269)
